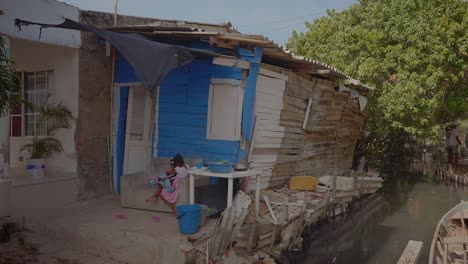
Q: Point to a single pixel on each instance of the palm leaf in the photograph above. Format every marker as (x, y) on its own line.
(10, 82)
(43, 147)
(53, 116)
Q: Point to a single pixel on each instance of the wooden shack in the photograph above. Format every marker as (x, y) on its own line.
(295, 117)
(241, 97)
(304, 125)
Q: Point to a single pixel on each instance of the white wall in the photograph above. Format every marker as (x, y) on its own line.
(33, 56)
(42, 11)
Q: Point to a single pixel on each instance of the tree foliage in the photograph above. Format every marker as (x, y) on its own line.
(414, 52)
(10, 83)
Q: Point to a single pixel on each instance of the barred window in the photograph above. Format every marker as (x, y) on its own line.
(36, 88)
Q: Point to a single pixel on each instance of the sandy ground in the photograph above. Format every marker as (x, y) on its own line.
(90, 232)
(23, 248)
(18, 251)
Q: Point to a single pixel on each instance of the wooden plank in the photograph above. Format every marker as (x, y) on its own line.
(456, 240)
(308, 88)
(292, 123)
(292, 116)
(275, 103)
(265, 133)
(275, 158)
(263, 139)
(273, 74)
(272, 119)
(295, 101)
(277, 100)
(293, 108)
(445, 253)
(239, 223)
(274, 68)
(306, 118)
(232, 62)
(270, 209)
(271, 159)
(252, 142)
(261, 110)
(458, 215)
(271, 128)
(277, 145)
(271, 83)
(241, 39)
(217, 244)
(261, 90)
(411, 253)
(264, 235)
(298, 93)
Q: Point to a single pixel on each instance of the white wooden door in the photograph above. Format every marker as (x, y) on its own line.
(137, 132)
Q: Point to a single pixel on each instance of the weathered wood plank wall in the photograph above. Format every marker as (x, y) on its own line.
(324, 147)
(269, 133)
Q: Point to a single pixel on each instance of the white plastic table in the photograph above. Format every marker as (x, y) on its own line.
(230, 176)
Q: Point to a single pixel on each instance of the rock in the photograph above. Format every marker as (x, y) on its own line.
(268, 260)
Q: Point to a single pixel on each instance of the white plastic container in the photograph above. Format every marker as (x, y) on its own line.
(35, 167)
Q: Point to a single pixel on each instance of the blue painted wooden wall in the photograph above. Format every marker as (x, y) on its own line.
(183, 112)
(183, 109)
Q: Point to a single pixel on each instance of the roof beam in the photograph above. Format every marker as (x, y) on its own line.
(232, 62)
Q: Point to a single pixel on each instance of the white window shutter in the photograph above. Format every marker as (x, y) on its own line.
(225, 111)
(137, 126)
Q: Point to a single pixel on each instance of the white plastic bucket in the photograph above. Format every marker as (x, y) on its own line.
(35, 167)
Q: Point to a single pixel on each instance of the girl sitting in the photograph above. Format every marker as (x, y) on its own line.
(168, 185)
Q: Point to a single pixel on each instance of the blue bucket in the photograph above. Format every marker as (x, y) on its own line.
(189, 218)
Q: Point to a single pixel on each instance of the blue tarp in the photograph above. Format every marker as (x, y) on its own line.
(150, 60)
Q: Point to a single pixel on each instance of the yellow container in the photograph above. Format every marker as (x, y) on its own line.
(303, 183)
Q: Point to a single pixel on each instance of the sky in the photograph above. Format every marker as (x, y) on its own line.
(273, 18)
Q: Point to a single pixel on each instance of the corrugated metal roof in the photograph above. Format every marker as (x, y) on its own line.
(273, 53)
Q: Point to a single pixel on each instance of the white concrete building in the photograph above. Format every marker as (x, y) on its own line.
(49, 65)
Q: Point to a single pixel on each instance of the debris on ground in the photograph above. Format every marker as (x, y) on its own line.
(283, 216)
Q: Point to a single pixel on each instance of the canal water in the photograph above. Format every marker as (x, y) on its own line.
(378, 229)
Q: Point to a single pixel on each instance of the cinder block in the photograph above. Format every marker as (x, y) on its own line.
(342, 183)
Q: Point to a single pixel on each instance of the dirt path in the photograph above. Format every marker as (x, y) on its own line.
(18, 251)
(19, 246)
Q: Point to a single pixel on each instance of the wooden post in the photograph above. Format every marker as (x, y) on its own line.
(115, 13)
(411, 253)
(445, 253)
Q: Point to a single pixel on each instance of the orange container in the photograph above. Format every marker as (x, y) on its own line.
(303, 183)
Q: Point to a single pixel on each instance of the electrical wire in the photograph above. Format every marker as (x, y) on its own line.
(292, 19)
(295, 24)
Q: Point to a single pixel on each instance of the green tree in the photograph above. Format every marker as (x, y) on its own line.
(10, 83)
(414, 52)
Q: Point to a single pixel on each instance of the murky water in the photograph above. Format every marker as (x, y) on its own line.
(379, 229)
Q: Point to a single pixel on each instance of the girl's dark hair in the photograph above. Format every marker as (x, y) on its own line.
(177, 160)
